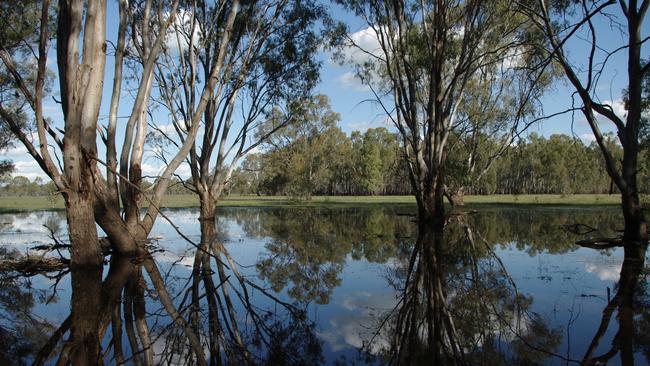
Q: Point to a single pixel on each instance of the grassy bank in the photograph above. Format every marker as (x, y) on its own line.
(30, 203)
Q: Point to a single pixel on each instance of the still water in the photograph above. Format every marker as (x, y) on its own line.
(350, 286)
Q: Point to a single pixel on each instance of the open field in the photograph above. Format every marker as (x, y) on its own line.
(31, 203)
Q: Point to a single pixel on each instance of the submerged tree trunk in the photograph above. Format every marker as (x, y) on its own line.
(431, 206)
(457, 197)
(86, 276)
(636, 226)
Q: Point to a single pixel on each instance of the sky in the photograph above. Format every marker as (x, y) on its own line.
(351, 99)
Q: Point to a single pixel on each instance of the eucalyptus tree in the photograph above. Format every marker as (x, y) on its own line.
(501, 101)
(89, 196)
(562, 23)
(307, 149)
(18, 36)
(81, 73)
(267, 70)
(427, 53)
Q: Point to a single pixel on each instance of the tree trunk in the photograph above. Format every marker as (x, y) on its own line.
(431, 205)
(632, 269)
(206, 218)
(636, 227)
(86, 272)
(456, 198)
(209, 241)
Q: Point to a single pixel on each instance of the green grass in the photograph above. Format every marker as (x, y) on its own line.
(33, 203)
(282, 201)
(548, 199)
(29, 203)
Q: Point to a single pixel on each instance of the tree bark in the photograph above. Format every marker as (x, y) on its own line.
(86, 276)
(86, 269)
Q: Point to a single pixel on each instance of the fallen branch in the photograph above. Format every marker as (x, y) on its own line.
(31, 265)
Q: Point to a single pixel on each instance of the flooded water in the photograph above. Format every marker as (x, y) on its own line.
(348, 286)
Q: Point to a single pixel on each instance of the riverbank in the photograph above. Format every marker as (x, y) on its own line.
(33, 203)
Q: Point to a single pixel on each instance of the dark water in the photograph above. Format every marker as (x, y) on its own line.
(356, 286)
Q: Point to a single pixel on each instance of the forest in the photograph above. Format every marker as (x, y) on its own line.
(332, 163)
(369, 163)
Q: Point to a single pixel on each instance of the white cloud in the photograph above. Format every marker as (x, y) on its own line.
(184, 259)
(178, 35)
(18, 150)
(513, 58)
(168, 130)
(256, 150)
(618, 106)
(349, 80)
(587, 138)
(355, 327)
(362, 45)
(604, 271)
(151, 170)
(364, 126)
(29, 169)
(184, 171)
(52, 110)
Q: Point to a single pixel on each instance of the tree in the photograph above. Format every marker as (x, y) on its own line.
(78, 76)
(18, 32)
(428, 55)
(89, 197)
(549, 19)
(6, 137)
(378, 155)
(304, 152)
(261, 66)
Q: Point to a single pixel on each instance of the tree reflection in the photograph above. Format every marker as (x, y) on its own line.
(225, 307)
(630, 303)
(21, 333)
(307, 249)
(457, 305)
(231, 324)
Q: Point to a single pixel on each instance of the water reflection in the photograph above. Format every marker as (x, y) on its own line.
(323, 286)
(459, 306)
(630, 303)
(21, 332)
(307, 249)
(136, 331)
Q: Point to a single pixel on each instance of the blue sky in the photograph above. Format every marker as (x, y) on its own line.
(350, 99)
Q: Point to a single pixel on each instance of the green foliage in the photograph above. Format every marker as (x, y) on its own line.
(307, 248)
(371, 163)
(313, 156)
(559, 164)
(22, 186)
(19, 31)
(325, 161)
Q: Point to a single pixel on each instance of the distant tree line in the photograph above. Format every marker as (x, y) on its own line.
(329, 162)
(19, 185)
(324, 160)
(22, 186)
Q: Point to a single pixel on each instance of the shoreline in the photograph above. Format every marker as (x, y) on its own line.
(9, 204)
